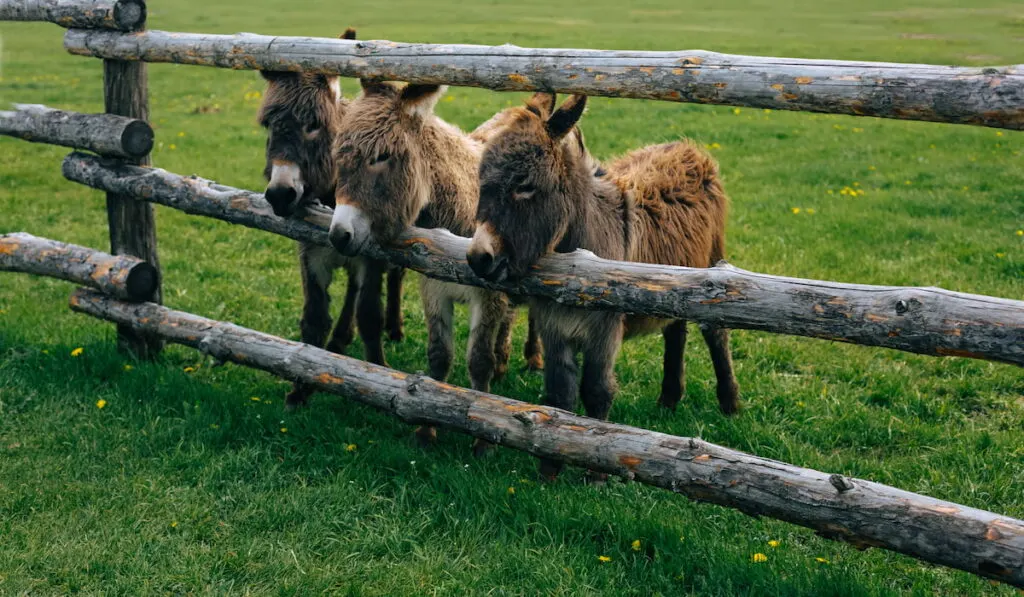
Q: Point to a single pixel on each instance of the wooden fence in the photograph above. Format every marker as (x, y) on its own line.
(921, 320)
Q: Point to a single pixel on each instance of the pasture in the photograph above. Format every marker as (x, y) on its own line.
(176, 477)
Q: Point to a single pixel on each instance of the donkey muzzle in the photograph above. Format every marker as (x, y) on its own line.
(350, 230)
(493, 268)
(283, 200)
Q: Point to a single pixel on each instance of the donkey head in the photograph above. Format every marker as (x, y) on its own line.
(382, 166)
(301, 112)
(527, 180)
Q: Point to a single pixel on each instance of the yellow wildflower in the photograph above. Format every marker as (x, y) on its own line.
(128, 367)
(757, 558)
(906, 182)
(872, 168)
(351, 448)
(966, 188)
(821, 560)
(1020, 233)
(795, 210)
(511, 490)
(255, 398)
(172, 146)
(856, 184)
(932, 146)
(810, 211)
(214, 426)
(189, 369)
(800, 403)
(174, 524)
(736, 110)
(714, 146)
(767, 111)
(774, 543)
(999, 133)
(284, 430)
(101, 403)
(77, 352)
(635, 545)
(830, 192)
(858, 130)
(604, 558)
(181, 133)
(1000, 255)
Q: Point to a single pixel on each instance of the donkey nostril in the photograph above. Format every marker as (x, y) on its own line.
(339, 238)
(480, 263)
(281, 199)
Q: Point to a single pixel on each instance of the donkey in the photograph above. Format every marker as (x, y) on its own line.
(301, 113)
(399, 164)
(542, 192)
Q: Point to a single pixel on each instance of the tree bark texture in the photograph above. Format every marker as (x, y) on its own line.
(132, 222)
(860, 512)
(120, 276)
(929, 321)
(986, 96)
(122, 15)
(105, 134)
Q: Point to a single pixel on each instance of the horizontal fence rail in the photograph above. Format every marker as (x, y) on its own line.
(105, 134)
(991, 96)
(123, 15)
(118, 275)
(928, 321)
(862, 513)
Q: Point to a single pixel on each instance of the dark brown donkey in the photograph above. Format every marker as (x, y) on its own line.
(399, 164)
(301, 112)
(541, 191)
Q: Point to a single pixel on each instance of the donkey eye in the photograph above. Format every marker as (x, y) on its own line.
(380, 159)
(524, 191)
(311, 132)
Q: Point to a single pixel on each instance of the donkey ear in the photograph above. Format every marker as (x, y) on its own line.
(566, 116)
(349, 33)
(374, 86)
(419, 100)
(541, 103)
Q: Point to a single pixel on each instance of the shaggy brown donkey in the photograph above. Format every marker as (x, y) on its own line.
(301, 112)
(399, 164)
(541, 191)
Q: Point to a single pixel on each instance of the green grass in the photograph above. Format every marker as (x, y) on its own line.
(185, 484)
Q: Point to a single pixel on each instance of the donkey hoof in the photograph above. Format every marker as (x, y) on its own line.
(500, 371)
(535, 363)
(338, 346)
(396, 335)
(668, 403)
(426, 437)
(549, 469)
(481, 448)
(729, 400)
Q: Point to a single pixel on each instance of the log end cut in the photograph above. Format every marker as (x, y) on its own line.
(130, 15)
(137, 139)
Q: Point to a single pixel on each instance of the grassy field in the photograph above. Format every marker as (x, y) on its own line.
(120, 477)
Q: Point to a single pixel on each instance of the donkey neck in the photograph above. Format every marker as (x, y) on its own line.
(598, 214)
(451, 160)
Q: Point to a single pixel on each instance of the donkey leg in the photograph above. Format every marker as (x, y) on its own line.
(533, 350)
(503, 342)
(369, 315)
(488, 313)
(316, 316)
(560, 389)
(438, 308)
(728, 390)
(393, 318)
(344, 330)
(673, 382)
(598, 387)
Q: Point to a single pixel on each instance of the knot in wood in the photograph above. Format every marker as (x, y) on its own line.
(412, 386)
(841, 483)
(902, 307)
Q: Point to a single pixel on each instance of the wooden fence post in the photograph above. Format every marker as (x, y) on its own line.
(132, 223)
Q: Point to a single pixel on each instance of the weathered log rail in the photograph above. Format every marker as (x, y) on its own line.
(121, 276)
(928, 321)
(990, 96)
(121, 15)
(859, 512)
(105, 134)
